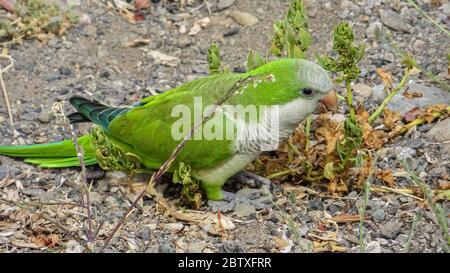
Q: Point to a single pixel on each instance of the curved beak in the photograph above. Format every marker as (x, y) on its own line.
(329, 102)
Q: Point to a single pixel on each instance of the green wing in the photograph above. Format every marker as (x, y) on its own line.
(147, 128)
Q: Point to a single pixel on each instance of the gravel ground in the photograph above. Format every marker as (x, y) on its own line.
(91, 61)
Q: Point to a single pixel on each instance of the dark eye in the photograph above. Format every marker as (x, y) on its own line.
(308, 92)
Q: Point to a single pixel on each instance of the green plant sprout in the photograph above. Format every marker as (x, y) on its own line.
(291, 34)
(346, 68)
(214, 59)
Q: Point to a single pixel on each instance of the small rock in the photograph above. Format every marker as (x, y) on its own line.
(389, 57)
(362, 90)
(231, 247)
(390, 229)
(33, 192)
(440, 133)
(373, 29)
(438, 171)
(445, 9)
(430, 95)
(402, 153)
(44, 116)
(378, 215)
(4, 171)
(418, 45)
(94, 197)
(111, 202)
(393, 20)
(244, 18)
(174, 226)
(244, 210)
(316, 215)
(165, 248)
(115, 178)
(184, 42)
(196, 247)
(374, 247)
(231, 32)
(90, 30)
(74, 247)
(224, 4)
(65, 71)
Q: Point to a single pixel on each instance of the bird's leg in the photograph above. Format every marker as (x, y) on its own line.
(228, 201)
(252, 180)
(130, 181)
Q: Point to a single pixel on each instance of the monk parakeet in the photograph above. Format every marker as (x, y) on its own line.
(142, 136)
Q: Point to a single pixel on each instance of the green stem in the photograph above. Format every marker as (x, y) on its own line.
(350, 100)
(429, 18)
(279, 174)
(386, 100)
(307, 133)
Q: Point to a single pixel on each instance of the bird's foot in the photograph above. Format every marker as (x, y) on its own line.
(252, 180)
(244, 202)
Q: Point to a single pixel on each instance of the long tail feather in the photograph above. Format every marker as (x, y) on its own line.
(53, 155)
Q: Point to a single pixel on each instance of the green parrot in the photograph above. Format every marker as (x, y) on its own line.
(144, 135)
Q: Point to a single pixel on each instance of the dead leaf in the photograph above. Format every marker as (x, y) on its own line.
(387, 177)
(137, 42)
(412, 114)
(280, 242)
(347, 218)
(385, 76)
(42, 240)
(412, 95)
(164, 59)
(23, 244)
(390, 118)
(444, 186)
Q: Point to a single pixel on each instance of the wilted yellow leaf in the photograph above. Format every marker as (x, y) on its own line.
(390, 118)
(385, 76)
(387, 177)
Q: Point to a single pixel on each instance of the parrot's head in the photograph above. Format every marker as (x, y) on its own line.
(297, 86)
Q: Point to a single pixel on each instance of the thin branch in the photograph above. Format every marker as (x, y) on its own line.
(58, 107)
(394, 92)
(441, 28)
(2, 82)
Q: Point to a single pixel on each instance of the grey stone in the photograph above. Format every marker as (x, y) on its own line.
(440, 133)
(445, 9)
(394, 21)
(244, 18)
(33, 192)
(111, 202)
(44, 116)
(378, 215)
(373, 29)
(4, 171)
(430, 95)
(244, 210)
(224, 4)
(196, 247)
(90, 30)
(165, 248)
(185, 42)
(390, 229)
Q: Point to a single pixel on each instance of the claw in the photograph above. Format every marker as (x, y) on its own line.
(252, 180)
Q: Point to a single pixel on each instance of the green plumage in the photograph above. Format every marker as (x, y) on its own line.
(140, 135)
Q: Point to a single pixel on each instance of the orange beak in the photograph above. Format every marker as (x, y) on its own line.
(329, 103)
